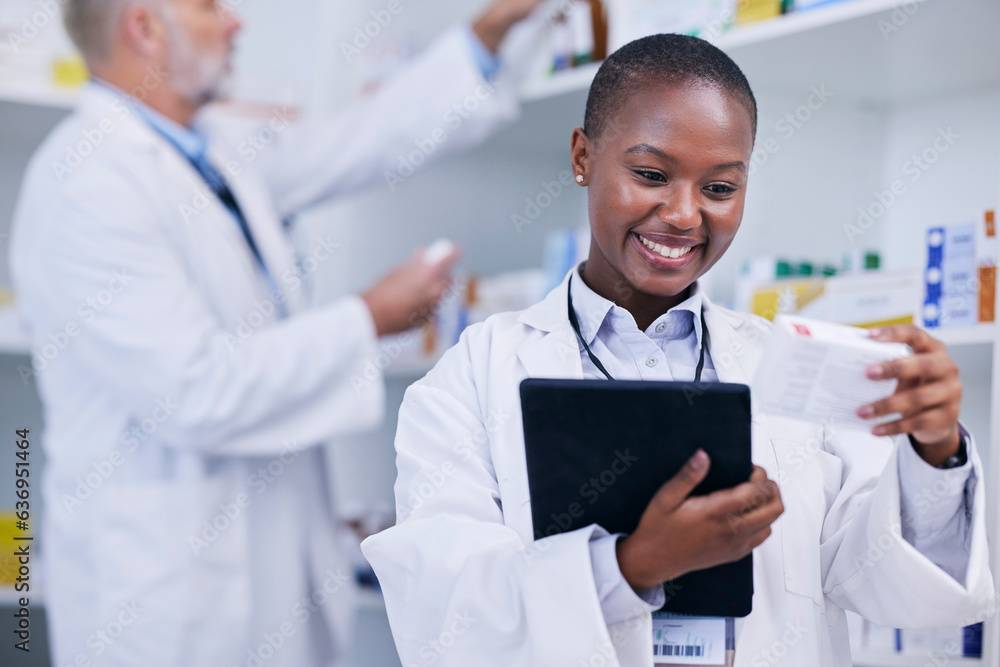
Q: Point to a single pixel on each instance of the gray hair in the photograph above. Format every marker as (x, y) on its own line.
(92, 25)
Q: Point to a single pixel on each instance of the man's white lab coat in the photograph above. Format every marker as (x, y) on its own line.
(188, 521)
(466, 584)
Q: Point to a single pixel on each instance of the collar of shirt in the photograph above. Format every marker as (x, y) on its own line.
(192, 143)
(592, 310)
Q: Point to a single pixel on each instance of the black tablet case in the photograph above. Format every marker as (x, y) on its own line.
(598, 450)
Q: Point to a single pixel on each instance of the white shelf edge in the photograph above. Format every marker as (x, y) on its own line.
(41, 96)
(579, 78)
(886, 659)
(980, 334)
(802, 21)
(561, 83)
(367, 598)
(13, 338)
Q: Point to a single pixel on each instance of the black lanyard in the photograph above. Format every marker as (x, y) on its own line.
(597, 362)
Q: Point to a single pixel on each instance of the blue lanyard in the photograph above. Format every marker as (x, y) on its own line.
(217, 184)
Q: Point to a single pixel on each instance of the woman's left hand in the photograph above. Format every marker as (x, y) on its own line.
(927, 397)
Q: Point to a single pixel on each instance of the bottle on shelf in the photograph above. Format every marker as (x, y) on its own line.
(579, 34)
(858, 261)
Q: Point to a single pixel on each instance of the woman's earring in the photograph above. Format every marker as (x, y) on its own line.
(579, 179)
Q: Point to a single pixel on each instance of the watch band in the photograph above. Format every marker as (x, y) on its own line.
(957, 460)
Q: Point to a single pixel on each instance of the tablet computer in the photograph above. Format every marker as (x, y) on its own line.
(598, 450)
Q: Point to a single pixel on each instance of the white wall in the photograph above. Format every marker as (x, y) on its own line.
(958, 187)
(807, 180)
(22, 129)
(277, 56)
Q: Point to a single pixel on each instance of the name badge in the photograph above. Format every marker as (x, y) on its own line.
(693, 640)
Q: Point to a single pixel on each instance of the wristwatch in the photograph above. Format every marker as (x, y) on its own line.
(957, 460)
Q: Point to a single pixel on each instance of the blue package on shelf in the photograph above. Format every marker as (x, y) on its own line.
(931, 312)
(950, 279)
(932, 284)
(972, 641)
(935, 246)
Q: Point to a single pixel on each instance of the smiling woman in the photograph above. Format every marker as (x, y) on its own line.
(665, 156)
(668, 180)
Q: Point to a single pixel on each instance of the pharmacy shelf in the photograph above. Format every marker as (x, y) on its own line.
(868, 69)
(368, 599)
(13, 338)
(886, 659)
(870, 49)
(569, 81)
(38, 95)
(981, 334)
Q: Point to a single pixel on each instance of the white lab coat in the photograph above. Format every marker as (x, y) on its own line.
(465, 584)
(178, 407)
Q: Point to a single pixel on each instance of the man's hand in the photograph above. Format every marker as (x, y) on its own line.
(492, 25)
(927, 396)
(679, 533)
(407, 295)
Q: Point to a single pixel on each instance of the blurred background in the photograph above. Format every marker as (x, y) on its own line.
(878, 141)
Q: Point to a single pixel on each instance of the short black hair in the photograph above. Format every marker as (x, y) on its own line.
(662, 58)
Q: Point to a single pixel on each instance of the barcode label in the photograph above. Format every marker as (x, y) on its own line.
(676, 650)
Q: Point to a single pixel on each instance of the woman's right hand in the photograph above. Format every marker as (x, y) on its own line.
(680, 533)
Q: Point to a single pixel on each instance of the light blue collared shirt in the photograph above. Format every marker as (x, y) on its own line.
(192, 143)
(630, 354)
(189, 141)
